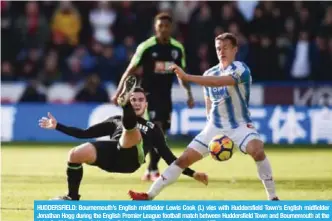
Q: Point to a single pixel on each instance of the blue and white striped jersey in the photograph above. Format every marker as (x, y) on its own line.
(230, 104)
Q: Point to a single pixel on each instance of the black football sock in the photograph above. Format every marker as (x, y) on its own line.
(74, 177)
(154, 160)
(129, 119)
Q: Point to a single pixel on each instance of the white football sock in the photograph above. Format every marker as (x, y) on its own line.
(265, 174)
(169, 176)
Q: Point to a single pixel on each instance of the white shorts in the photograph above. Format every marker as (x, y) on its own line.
(240, 136)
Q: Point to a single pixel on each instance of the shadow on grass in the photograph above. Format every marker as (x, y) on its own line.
(239, 183)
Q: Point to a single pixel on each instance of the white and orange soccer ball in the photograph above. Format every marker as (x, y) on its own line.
(221, 148)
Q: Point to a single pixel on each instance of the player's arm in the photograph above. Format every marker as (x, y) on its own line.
(208, 104)
(165, 152)
(207, 100)
(97, 130)
(131, 69)
(212, 81)
(186, 84)
(206, 81)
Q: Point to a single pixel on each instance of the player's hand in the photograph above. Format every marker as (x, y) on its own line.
(48, 123)
(179, 72)
(190, 102)
(115, 99)
(201, 177)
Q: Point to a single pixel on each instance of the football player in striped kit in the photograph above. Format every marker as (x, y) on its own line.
(227, 92)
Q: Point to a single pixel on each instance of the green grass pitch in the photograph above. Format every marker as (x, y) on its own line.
(37, 172)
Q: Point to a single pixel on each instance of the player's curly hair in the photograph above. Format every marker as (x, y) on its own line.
(163, 16)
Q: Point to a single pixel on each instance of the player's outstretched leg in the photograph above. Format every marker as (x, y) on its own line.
(169, 176)
(255, 148)
(85, 153)
(131, 135)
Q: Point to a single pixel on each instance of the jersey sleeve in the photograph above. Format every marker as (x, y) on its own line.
(98, 130)
(138, 56)
(183, 52)
(165, 152)
(240, 72)
(183, 57)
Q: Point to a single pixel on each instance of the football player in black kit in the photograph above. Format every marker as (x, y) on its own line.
(132, 137)
(155, 55)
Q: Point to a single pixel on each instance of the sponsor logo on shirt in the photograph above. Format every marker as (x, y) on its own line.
(162, 67)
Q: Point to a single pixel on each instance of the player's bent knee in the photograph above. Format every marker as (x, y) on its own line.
(84, 153)
(73, 156)
(255, 149)
(182, 161)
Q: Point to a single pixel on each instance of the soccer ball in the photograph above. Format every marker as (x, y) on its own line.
(221, 148)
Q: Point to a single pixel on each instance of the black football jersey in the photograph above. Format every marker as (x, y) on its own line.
(155, 59)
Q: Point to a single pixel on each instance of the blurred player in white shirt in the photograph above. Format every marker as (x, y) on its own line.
(227, 92)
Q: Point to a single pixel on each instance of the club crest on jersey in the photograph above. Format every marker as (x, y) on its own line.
(250, 126)
(237, 74)
(150, 124)
(175, 54)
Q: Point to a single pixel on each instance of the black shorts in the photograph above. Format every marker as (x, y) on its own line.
(112, 158)
(160, 110)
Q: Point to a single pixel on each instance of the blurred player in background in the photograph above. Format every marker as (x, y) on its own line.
(227, 91)
(131, 139)
(156, 55)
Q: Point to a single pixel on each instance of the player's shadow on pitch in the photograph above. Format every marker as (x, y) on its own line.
(291, 183)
